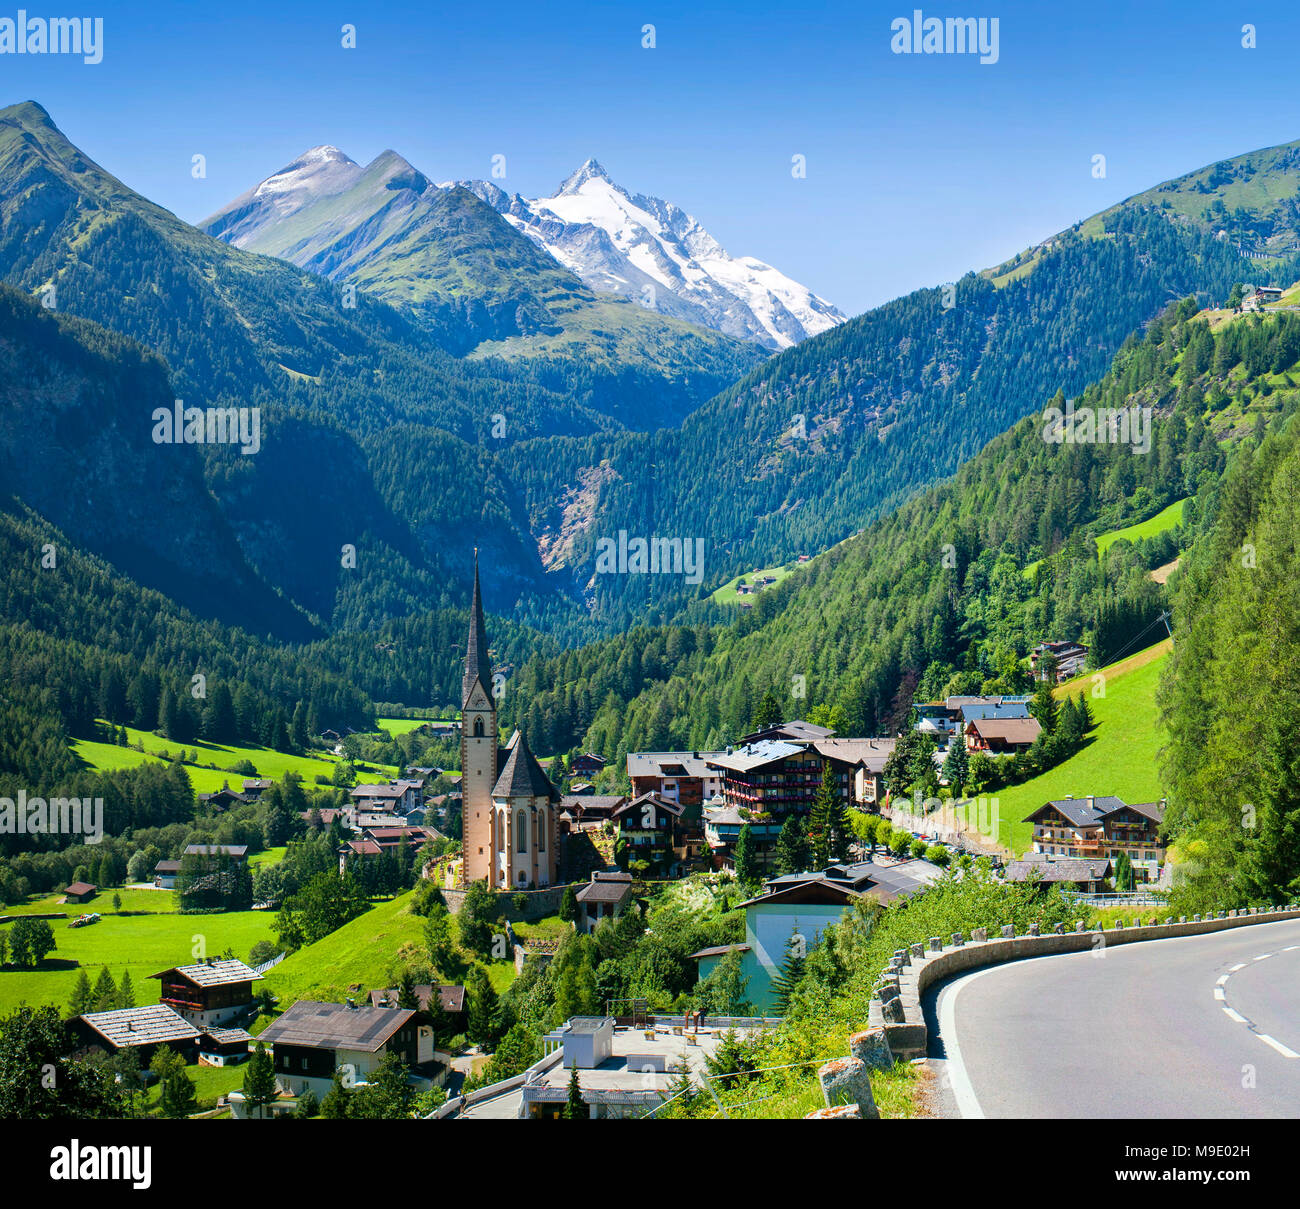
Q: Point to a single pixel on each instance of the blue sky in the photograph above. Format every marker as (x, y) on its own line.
(919, 167)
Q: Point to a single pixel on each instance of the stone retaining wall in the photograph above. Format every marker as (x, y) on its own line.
(940, 958)
(541, 903)
(897, 1025)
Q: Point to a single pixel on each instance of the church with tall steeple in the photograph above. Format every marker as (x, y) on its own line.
(509, 831)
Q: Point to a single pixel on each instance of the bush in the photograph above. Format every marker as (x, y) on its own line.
(937, 854)
(919, 848)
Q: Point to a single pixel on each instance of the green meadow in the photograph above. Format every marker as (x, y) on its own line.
(363, 953)
(143, 944)
(1166, 518)
(268, 762)
(727, 594)
(1121, 758)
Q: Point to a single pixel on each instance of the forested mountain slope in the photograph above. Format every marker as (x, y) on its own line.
(936, 589)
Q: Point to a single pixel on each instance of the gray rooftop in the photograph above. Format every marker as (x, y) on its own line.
(213, 973)
(153, 1024)
(336, 1026)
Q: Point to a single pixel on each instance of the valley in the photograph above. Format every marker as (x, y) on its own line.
(528, 656)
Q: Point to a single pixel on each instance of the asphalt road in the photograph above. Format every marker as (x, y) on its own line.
(1189, 1027)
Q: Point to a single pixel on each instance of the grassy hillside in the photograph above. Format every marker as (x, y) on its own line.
(267, 761)
(727, 594)
(1120, 759)
(1166, 518)
(143, 944)
(361, 953)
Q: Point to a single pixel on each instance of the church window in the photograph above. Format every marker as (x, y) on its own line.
(541, 831)
(478, 728)
(521, 832)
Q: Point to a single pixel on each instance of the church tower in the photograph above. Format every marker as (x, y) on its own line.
(478, 750)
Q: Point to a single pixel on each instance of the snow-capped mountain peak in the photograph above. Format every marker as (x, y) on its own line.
(590, 170)
(317, 172)
(653, 251)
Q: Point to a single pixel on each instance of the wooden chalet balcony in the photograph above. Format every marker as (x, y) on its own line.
(191, 1004)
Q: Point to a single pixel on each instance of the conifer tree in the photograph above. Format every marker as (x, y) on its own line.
(125, 991)
(745, 858)
(956, 765)
(178, 1097)
(793, 853)
(259, 1082)
(337, 1100)
(575, 1107)
(83, 998)
(787, 977)
(105, 991)
(482, 1007)
(828, 824)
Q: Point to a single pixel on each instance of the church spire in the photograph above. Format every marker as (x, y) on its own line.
(477, 665)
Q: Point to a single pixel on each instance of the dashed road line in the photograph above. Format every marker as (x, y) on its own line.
(1277, 1045)
(1221, 995)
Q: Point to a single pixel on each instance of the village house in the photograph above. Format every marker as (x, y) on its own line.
(1004, 736)
(223, 1046)
(649, 825)
(1095, 827)
(1087, 875)
(1070, 659)
(797, 731)
(590, 811)
(224, 799)
(770, 779)
(142, 1029)
(235, 853)
(256, 788)
(604, 897)
(684, 777)
(311, 1040)
(949, 717)
(623, 1071)
(80, 892)
(375, 841)
(450, 997)
(587, 765)
(805, 904)
(165, 873)
(211, 992)
(394, 798)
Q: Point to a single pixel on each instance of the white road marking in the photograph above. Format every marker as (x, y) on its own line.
(1237, 1016)
(1241, 965)
(1218, 993)
(959, 1080)
(1263, 957)
(1277, 1045)
(1221, 981)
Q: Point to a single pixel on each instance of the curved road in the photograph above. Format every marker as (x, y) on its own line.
(1196, 1026)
